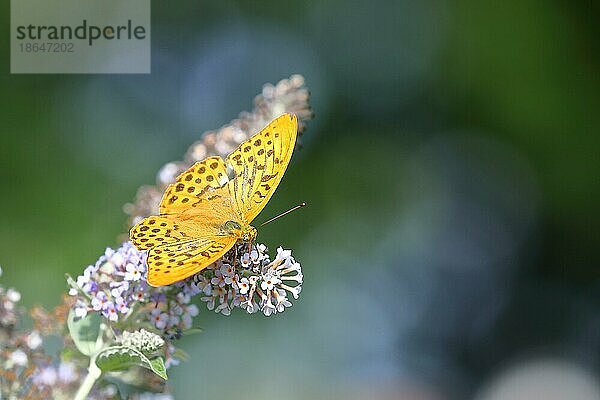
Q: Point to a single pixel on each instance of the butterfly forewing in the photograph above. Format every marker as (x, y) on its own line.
(259, 163)
(194, 186)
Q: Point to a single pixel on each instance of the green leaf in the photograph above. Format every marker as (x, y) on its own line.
(192, 331)
(84, 332)
(119, 358)
(180, 354)
(72, 282)
(158, 367)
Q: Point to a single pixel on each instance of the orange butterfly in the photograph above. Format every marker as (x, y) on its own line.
(211, 205)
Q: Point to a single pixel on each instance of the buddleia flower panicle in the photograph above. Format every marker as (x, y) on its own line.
(142, 340)
(115, 287)
(9, 315)
(251, 281)
(26, 372)
(269, 287)
(113, 284)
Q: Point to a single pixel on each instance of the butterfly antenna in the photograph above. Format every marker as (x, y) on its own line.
(282, 214)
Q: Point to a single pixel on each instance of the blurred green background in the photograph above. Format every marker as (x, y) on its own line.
(450, 249)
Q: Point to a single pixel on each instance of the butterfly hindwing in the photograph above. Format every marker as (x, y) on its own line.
(180, 246)
(194, 185)
(173, 262)
(259, 163)
(155, 231)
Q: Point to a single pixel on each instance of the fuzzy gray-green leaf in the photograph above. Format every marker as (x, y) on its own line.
(118, 358)
(84, 332)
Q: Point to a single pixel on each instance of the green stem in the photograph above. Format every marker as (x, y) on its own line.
(94, 372)
(89, 381)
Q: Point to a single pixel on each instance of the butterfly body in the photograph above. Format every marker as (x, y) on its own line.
(211, 205)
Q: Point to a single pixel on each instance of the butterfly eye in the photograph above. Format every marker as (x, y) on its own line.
(232, 226)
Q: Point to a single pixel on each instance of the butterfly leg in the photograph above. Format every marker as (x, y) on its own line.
(236, 256)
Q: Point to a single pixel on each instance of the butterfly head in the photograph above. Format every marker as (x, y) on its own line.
(245, 233)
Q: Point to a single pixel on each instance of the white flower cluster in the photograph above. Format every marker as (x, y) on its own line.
(251, 281)
(172, 312)
(142, 340)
